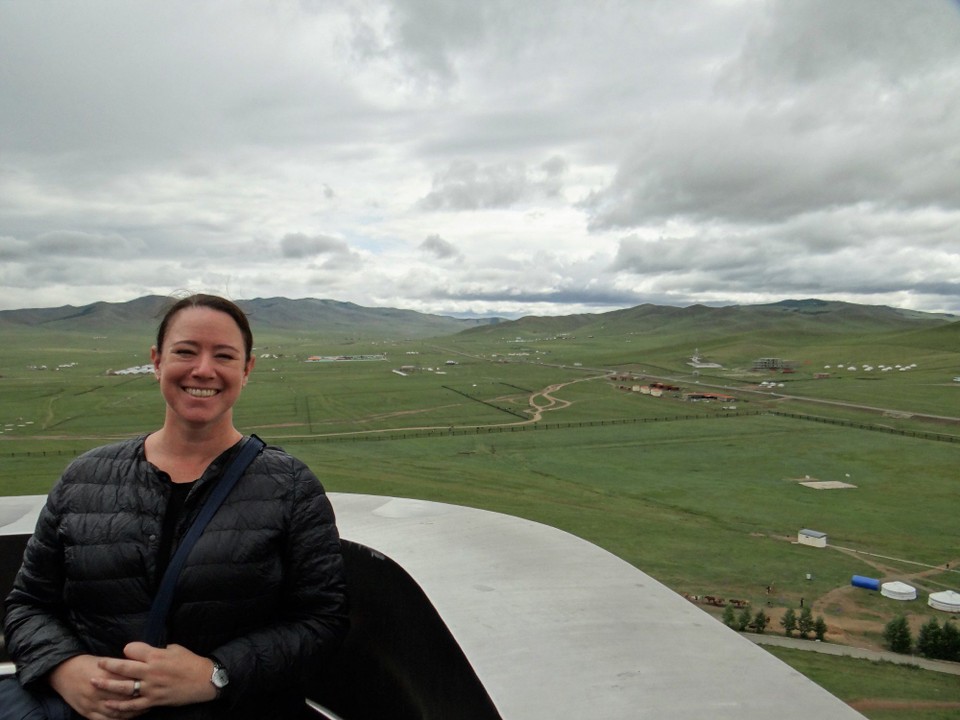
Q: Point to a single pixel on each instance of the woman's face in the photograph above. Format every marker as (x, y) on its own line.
(202, 366)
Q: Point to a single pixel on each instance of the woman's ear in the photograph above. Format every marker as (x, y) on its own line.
(155, 360)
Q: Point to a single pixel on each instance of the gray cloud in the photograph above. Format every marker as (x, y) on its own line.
(81, 244)
(466, 185)
(68, 244)
(439, 248)
(811, 115)
(566, 296)
(12, 249)
(835, 254)
(883, 42)
(299, 246)
(430, 35)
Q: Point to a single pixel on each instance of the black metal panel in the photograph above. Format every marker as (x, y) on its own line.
(11, 555)
(399, 660)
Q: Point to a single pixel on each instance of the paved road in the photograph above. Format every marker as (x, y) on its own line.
(834, 649)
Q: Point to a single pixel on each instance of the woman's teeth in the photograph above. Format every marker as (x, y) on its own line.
(201, 392)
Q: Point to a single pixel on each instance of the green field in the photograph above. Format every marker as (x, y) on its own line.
(880, 690)
(704, 496)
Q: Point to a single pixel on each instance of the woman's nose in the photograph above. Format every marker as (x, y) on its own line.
(204, 365)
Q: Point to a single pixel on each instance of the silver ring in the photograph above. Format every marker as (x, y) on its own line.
(136, 689)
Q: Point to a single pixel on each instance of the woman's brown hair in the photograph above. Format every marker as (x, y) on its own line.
(214, 302)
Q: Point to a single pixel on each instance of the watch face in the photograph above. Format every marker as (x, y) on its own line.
(220, 677)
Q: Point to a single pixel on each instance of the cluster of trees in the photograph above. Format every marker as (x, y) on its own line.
(935, 641)
(744, 620)
(803, 624)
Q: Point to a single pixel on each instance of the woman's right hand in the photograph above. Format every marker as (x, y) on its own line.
(72, 679)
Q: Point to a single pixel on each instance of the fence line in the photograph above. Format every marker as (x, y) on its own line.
(496, 429)
(921, 434)
(492, 429)
(45, 453)
(484, 402)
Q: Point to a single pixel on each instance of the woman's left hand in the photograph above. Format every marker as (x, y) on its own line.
(156, 676)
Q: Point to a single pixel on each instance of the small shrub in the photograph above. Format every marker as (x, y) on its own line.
(805, 623)
(939, 642)
(897, 635)
(929, 640)
(760, 622)
(950, 641)
(728, 616)
(789, 622)
(820, 628)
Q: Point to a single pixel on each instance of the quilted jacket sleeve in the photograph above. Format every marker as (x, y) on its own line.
(36, 631)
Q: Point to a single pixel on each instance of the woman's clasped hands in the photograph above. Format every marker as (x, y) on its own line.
(102, 688)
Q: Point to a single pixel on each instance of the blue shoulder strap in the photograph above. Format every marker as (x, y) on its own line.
(155, 628)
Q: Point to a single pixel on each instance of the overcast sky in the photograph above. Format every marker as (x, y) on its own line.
(486, 157)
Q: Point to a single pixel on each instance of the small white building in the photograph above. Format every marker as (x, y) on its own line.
(946, 600)
(813, 538)
(897, 590)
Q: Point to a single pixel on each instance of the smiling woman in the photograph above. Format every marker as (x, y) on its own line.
(260, 602)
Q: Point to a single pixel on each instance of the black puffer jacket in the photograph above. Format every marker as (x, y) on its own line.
(263, 589)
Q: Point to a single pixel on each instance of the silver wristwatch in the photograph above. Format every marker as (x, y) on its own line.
(219, 678)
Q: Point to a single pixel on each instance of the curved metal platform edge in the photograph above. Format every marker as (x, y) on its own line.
(555, 626)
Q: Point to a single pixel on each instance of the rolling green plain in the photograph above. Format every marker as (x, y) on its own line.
(539, 420)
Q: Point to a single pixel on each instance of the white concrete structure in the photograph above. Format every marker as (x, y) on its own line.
(556, 627)
(18, 515)
(813, 538)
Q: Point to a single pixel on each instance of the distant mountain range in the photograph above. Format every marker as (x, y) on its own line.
(791, 318)
(331, 317)
(346, 319)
